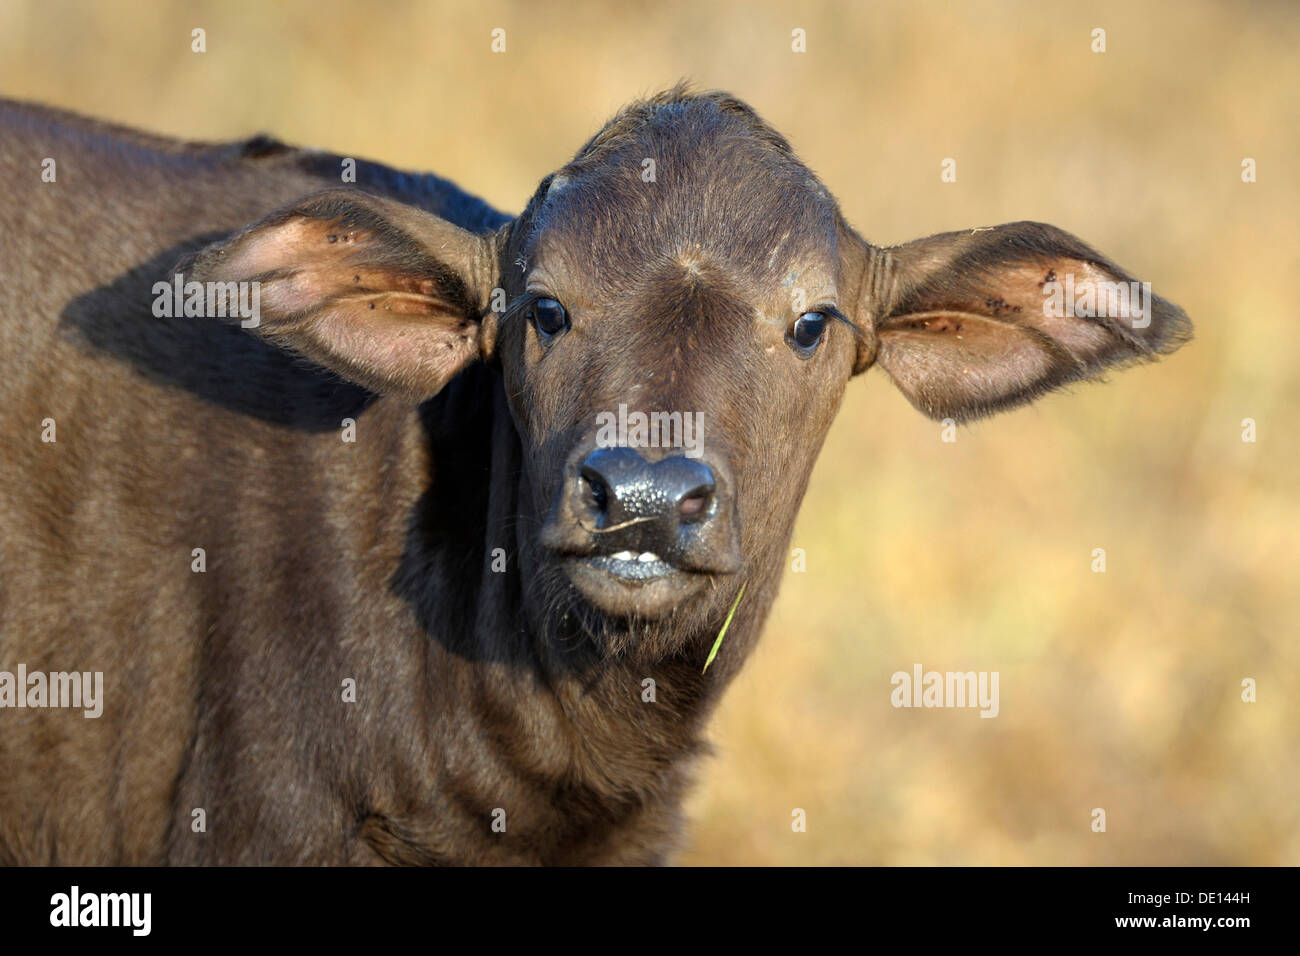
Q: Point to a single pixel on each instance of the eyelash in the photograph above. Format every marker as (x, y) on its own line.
(833, 313)
(522, 304)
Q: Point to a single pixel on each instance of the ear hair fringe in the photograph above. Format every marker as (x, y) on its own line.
(880, 278)
(884, 280)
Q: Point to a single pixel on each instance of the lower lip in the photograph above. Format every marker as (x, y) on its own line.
(630, 571)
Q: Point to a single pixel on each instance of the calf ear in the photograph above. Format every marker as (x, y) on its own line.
(382, 293)
(970, 323)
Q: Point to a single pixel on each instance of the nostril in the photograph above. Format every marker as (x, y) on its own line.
(599, 489)
(688, 487)
(694, 503)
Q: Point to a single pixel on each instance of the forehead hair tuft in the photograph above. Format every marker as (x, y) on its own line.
(676, 105)
(721, 177)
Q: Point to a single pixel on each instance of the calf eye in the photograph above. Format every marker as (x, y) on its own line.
(807, 333)
(549, 318)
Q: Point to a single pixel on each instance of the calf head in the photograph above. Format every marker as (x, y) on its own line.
(675, 316)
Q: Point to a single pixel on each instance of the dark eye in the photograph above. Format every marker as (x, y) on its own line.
(549, 317)
(806, 333)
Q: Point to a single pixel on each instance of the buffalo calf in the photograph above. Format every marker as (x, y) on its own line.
(398, 530)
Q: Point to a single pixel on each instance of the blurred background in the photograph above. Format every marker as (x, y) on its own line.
(1119, 690)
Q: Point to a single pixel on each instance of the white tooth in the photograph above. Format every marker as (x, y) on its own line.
(625, 556)
(647, 557)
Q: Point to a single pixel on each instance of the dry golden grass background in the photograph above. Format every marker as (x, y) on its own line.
(1118, 690)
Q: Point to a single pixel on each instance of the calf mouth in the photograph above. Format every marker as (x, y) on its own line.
(632, 584)
(632, 567)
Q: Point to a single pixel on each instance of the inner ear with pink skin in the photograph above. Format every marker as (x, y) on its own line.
(970, 323)
(381, 293)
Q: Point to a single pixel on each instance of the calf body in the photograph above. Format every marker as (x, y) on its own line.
(363, 580)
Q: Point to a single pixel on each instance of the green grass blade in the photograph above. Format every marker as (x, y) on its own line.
(725, 624)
